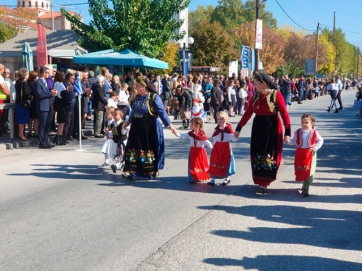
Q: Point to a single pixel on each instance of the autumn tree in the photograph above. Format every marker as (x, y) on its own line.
(213, 46)
(272, 54)
(18, 18)
(170, 57)
(6, 32)
(144, 26)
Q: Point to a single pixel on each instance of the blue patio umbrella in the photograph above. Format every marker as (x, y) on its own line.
(27, 57)
(125, 58)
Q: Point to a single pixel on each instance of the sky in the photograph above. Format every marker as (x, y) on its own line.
(305, 13)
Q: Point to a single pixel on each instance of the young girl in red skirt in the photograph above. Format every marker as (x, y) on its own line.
(198, 163)
(222, 163)
(308, 141)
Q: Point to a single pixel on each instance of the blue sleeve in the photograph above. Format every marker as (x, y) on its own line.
(161, 112)
(42, 92)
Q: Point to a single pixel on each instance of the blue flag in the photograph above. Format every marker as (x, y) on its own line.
(78, 86)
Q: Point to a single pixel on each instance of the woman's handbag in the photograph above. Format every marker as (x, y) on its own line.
(188, 114)
(23, 103)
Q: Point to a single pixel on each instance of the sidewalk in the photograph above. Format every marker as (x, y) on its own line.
(284, 230)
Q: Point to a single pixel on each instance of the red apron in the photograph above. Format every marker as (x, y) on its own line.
(198, 164)
(302, 164)
(220, 159)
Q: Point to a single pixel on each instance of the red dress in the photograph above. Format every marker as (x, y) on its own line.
(303, 156)
(198, 162)
(221, 153)
(267, 135)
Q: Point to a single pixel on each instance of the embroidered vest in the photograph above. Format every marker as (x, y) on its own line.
(270, 99)
(312, 138)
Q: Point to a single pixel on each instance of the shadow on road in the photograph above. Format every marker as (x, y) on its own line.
(334, 229)
(281, 262)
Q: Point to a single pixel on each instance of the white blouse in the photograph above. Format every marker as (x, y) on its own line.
(231, 91)
(227, 137)
(199, 143)
(123, 98)
(59, 86)
(318, 144)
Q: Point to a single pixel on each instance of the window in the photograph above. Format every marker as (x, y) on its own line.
(29, 4)
(47, 6)
(23, 4)
(36, 4)
(42, 4)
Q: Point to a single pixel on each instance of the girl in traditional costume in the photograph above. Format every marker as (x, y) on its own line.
(308, 141)
(267, 131)
(145, 149)
(198, 165)
(222, 163)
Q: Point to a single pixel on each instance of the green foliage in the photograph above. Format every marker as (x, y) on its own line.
(213, 46)
(144, 26)
(266, 16)
(202, 13)
(229, 13)
(6, 32)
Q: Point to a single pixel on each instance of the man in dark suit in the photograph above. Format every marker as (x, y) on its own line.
(44, 107)
(99, 104)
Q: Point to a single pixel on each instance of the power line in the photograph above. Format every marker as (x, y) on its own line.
(343, 29)
(292, 19)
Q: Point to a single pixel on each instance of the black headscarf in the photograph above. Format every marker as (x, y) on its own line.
(265, 79)
(146, 83)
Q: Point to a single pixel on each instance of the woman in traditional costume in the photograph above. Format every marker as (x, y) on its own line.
(222, 163)
(267, 131)
(145, 149)
(198, 165)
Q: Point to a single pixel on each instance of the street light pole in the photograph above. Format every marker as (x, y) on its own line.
(256, 26)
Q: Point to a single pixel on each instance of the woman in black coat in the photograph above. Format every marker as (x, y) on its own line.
(184, 102)
(22, 102)
(34, 121)
(216, 98)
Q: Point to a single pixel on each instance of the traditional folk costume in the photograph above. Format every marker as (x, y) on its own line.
(120, 138)
(222, 163)
(145, 149)
(109, 147)
(267, 132)
(305, 161)
(198, 165)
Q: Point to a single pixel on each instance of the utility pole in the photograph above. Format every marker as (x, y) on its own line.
(316, 52)
(256, 26)
(358, 54)
(334, 40)
(52, 10)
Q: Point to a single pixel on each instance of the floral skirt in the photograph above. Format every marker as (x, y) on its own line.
(142, 150)
(266, 148)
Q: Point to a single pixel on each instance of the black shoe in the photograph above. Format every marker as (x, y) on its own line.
(114, 168)
(261, 190)
(225, 182)
(44, 147)
(98, 136)
(305, 192)
(300, 103)
(328, 110)
(340, 108)
(127, 176)
(336, 111)
(211, 183)
(84, 138)
(192, 181)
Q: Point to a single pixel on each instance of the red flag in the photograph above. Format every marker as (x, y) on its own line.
(41, 50)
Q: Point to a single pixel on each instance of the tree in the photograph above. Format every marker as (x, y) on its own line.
(18, 18)
(7, 32)
(170, 57)
(213, 46)
(230, 14)
(330, 55)
(266, 16)
(201, 13)
(132, 24)
(272, 54)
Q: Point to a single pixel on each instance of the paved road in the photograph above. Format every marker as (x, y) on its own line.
(60, 212)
